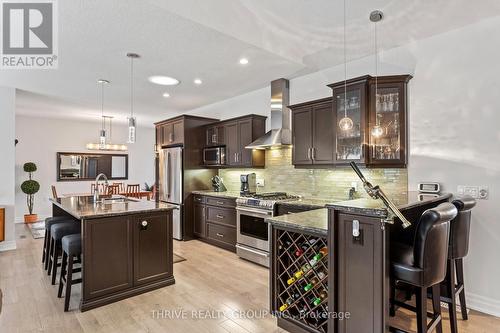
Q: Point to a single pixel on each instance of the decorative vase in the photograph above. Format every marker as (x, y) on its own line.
(30, 218)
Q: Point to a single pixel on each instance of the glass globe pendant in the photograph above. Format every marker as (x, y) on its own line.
(346, 124)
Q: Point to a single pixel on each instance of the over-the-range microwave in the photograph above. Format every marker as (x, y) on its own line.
(214, 155)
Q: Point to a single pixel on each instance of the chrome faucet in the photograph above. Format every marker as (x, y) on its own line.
(96, 190)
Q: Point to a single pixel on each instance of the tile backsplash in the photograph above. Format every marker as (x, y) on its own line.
(281, 175)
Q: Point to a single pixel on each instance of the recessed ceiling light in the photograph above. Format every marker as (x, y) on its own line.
(198, 81)
(243, 61)
(166, 95)
(163, 80)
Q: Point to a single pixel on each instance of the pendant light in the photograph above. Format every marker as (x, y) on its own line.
(376, 16)
(131, 120)
(102, 132)
(345, 123)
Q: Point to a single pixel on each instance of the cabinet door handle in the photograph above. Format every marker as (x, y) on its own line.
(309, 154)
(220, 235)
(220, 216)
(313, 153)
(220, 202)
(144, 225)
(171, 137)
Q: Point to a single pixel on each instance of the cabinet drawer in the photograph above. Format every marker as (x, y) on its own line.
(221, 215)
(223, 202)
(221, 233)
(199, 198)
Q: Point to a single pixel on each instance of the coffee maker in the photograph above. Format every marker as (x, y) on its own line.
(248, 184)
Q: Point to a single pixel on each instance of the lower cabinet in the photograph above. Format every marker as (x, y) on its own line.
(123, 255)
(215, 221)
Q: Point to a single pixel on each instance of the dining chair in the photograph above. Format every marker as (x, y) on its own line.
(133, 190)
(54, 192)
(121, 186)
(113, 189)
(100, 188)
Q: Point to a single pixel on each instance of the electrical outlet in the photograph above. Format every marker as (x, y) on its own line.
(260, 182)
(355, 185)
(477, 192)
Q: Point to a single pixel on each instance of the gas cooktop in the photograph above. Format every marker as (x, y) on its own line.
(264, 200)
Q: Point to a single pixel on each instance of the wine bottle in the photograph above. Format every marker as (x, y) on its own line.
(314, 281)
(323, 294)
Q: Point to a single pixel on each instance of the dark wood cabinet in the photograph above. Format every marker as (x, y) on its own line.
(125, 255)
(215, 220)
(215, 135)
(239, 133)
(350, 114)
(356, 124)
(199, 219)
(151, 233)
(313, 136)
(388, 122)
(109, 243)
(170, 133)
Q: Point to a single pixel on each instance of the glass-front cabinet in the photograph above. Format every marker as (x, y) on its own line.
(387, 130)
(350, 121)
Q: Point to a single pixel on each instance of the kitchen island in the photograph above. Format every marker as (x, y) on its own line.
(330, 267)
(126, 246)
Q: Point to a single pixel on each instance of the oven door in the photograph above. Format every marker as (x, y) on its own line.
(252, 229)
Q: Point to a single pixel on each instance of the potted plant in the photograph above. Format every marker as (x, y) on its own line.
(30, 187)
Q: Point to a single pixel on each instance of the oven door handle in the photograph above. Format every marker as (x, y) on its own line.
(254, 212)
(259, 253)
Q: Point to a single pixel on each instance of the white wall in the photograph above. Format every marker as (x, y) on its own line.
(7, 197)
(41, 138)
(454, 128)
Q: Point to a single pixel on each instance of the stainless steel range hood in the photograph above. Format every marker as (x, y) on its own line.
(281, 118)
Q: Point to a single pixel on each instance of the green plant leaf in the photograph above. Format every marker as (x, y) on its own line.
(30, 187)
(29, 167)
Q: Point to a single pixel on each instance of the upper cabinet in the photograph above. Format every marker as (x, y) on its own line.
(356, 124)
(170, 133)
(350, 120)
(312, 132)
(215, 135)
(239, 133)
(388, 123)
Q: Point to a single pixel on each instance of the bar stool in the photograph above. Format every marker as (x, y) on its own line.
(71, 247)
(50, 221)
(457, 250)
(423, 265)
(57, 232)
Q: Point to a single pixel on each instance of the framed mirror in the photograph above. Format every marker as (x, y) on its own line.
(86, 166)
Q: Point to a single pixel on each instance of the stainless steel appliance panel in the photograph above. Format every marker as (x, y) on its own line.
(170, 183)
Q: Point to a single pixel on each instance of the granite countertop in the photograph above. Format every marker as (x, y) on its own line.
(309, 202)
(226, 194)
(315, 221)
(83, 207)
(375, 207)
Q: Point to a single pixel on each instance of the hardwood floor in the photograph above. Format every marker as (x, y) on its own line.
(212, 285)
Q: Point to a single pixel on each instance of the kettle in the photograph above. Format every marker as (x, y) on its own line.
(218, 185)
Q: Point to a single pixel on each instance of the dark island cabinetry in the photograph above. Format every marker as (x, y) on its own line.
(130, 254)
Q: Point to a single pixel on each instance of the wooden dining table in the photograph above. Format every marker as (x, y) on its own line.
(142, 194)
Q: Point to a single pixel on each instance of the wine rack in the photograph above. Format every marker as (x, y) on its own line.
(302, 278)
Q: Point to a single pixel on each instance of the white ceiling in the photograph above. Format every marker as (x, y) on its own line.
(205, 38)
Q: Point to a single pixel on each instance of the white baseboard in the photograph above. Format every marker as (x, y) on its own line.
(483, 304)
(8, 245)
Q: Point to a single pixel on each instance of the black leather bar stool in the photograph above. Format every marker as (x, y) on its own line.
(423, 265)
(453, 284)
(57, 232)
(49, 222)
(71, 247)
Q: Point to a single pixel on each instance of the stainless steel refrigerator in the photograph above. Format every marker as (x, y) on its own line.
(171, 185)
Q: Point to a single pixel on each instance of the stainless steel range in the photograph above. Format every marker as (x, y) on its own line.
(253, 233)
